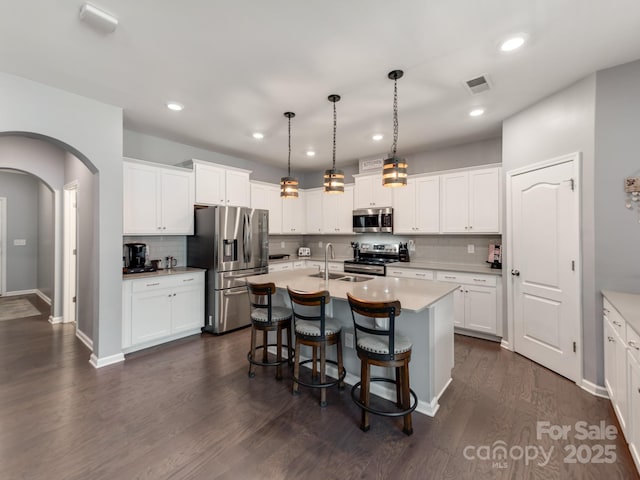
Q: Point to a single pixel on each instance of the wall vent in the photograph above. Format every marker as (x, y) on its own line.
(478, 85)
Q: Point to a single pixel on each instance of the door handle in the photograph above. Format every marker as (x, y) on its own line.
(515, 273)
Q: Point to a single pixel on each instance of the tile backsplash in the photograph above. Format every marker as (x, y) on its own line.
(163, 246)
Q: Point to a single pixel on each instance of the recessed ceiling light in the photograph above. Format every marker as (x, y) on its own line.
(310, 153)
(175, 106)
(377, 137)
(512, 43)
(258, 135)
(476, 112)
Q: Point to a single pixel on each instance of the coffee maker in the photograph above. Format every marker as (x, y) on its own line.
(135, 257)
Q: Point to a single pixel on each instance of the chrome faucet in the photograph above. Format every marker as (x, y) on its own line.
(326, 260)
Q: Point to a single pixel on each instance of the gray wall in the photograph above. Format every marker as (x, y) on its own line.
(93, 132)
(21, 191)
(617, 156)
(46, 240)
(76, 171)
(561, 124)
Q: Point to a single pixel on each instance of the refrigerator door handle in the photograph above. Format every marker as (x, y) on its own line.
(246, 240)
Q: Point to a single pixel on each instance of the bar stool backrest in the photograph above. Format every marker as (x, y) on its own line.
(375, 318)
(317, 302)
(260, 297)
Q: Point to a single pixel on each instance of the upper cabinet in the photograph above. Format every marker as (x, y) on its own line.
(286, 216)
(416, 207)
(220, 185)
(470, 201)
(337, 212)
(369, 192)
(157, 200)
(314, 211)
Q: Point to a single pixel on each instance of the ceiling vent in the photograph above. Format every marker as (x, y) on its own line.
(478, 85)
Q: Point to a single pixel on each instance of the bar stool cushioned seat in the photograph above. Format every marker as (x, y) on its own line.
(378, 344)
(265, 317)
(314, 329)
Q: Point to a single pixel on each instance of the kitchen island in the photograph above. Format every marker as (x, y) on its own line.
(426, 318)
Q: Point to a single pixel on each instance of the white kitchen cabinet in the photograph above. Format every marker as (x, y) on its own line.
(369, 192)
(334, 266)
(615, 362)
(267, 196)
(337, 212)
(416, 207)
(157, 200)
(161, 308)
(477, 302)
(634, 407)
(280, 266)
(470, 201)
(294, 214)
(221, 185)
(314, 211)
(419, 274)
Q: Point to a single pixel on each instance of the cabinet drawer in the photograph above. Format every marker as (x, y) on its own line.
(633, 342)
(410, 273)
(298, 264)
(152, 283)
(467, 278)
(618, 323)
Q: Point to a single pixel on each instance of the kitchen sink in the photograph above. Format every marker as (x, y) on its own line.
(353, 278)
(332, 276)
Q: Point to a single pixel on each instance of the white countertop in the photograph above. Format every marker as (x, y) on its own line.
(627, 305)
(414, 295)
(162, 272)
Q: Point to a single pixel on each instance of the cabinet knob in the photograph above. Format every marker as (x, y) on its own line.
(611, 339)
(606, 311)
(633, 344)
(616, 323)
(470, 227)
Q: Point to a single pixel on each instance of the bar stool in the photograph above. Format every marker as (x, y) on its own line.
(378, 344)
(267, 318)
(315, 329)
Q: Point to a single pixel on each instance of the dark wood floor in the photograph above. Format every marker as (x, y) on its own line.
(188, 411)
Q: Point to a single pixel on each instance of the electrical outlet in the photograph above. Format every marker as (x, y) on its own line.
(348, 340)
(19, 242)
(281, 244)
(319, 244)
(471, 248)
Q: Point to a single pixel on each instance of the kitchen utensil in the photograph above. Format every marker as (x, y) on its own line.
(171, 262)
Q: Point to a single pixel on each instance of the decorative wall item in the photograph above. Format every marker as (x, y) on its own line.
(632, 189)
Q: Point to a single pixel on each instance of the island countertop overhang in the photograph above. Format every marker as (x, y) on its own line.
(413, 294)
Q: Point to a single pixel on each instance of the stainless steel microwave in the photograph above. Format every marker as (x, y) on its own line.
(373, 220)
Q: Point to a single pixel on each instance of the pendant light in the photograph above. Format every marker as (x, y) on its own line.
(394, 169)
(289, 184)
(334, 179)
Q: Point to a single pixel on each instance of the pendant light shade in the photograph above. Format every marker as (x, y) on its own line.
(333, 178)
(394, 169)
(289, 184)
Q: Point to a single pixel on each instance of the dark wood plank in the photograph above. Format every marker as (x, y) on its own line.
(187, 410)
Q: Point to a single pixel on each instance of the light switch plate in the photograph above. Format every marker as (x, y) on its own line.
(281, 244)
(471, 248)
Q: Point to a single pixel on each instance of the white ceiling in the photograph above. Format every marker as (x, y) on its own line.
(238, 65)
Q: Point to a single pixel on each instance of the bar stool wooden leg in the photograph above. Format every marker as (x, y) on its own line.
(279, 354)
(408, 426)
(314, 363)
(289, 344)
(264, 349)
(296, 370)
(364, 394)
(399, 385)
(252, 373)
(323, 373)
(340, 362)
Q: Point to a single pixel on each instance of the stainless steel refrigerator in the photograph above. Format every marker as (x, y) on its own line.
(232, 243)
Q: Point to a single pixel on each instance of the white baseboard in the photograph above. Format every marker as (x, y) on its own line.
(15, 293)
(506, 345)
(53, 320)
(104, 361)
(43, 297)
(593, 389)
(84, 339)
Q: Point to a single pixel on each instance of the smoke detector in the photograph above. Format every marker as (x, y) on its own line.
(98, 18)
(478, 85)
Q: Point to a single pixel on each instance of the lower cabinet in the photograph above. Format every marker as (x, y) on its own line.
(634, 407)
(161, 308)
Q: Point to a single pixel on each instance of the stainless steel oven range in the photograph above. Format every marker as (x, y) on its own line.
(371, 258)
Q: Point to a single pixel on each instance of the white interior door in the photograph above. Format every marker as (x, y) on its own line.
(70, 253)
(545, 249)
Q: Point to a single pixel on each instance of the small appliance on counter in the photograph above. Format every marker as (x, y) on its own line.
(356, 250)
(495, 255)
(135, 258)
(304, 252)
(403, 252)
(278, 256)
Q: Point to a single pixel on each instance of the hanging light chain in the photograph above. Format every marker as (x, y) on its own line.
(395, 116)
(334, 134)
(289, 161)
